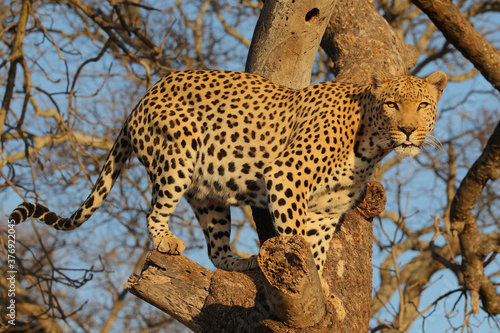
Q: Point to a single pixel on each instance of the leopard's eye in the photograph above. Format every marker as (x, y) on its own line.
(392, 105)
(423, 105)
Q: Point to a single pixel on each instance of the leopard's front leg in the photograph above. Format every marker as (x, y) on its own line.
(287, 200)
(320, 229)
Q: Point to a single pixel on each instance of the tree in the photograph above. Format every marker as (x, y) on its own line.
(80, 72)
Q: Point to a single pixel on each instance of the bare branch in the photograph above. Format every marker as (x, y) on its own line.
(207, 301)
(464, 37)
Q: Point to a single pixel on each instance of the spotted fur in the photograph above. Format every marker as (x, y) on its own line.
(223, 138)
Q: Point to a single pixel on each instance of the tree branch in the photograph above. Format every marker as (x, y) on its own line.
(15, 57)
(293, 287)
(185, 282)
(460, 32)
(207, 301)
(358, 32)
(464, 224)
(486, 167)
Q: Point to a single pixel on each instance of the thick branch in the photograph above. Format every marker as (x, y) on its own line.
(458, 31)
(464, 224)
(174, 284)
(486, 167)
(359, 39)
(207, 301)
(294, 288)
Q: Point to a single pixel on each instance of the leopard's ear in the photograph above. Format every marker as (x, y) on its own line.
(438, 79)
(377, 78)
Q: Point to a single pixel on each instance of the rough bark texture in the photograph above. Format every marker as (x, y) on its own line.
(220, 301)
(294, 288)
(359, 39)
(284, 47)
(286, 40)
(349, 267)
(203, 300)
(486, 59)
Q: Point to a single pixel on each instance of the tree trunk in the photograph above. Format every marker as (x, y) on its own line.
(286, 40)
(278, 298)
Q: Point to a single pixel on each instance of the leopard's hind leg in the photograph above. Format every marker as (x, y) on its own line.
(164, 201)
(215, 220)
(170, 174)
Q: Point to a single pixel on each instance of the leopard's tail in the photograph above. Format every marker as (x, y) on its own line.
(117, 157)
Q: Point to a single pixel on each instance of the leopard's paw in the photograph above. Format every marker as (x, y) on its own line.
(169, 244)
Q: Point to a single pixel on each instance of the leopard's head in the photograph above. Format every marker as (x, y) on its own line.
(406, 109)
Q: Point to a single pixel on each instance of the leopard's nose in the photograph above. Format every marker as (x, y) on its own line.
(407, 129)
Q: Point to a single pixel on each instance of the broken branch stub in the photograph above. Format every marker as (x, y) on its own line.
(293, 285)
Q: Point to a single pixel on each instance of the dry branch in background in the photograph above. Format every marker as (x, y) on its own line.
(486, 59)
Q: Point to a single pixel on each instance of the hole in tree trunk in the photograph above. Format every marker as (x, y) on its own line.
(312, 15)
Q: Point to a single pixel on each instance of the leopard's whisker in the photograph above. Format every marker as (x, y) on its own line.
(433, 141)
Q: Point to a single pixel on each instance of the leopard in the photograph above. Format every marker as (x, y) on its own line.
(226, 138)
